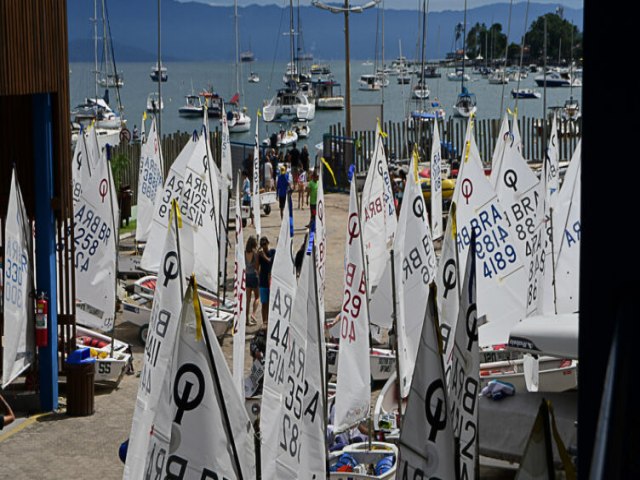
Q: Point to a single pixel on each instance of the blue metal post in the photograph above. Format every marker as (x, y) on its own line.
(46, 244)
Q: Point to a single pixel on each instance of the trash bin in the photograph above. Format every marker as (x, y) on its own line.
(81, 370)
(125, 196)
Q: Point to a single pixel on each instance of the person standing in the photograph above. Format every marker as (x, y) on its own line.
(268, 174)
(251, 261)
(282, 188)
(294, 155)
(304, 158)
(265, 259)
(313, 198)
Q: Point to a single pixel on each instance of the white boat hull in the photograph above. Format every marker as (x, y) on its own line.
(555, 375)
(109, 368)
(329, 103)
(382, 361)
(129, 263)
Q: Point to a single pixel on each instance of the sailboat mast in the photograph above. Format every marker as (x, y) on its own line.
(95, 46)
(422, 48)
(464, 41)
(159, 72)
(235, 22)
(291, 40)
(105, 50)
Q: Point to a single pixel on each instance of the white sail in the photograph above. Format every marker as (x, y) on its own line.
(314, 427)
(320, 243)
(255, 193)
(198, 206)
(95, 233)
(225, 183)
(78, 165)
(171, 190)
(165, 314)
(18, 341)
(504, 137)
(521, 194)
(567, 237)
(143, 132)
(353, 390)
(202, 429)
(281, 297)
(448, 288)
(436, 184)
(415, 270)
(550, 179)
(150, 179)
(501, 276)
(239, 295)
(426, 439)
(464, 386)
(226, 167)
(551, 168)
(377, 213)
(301, 436)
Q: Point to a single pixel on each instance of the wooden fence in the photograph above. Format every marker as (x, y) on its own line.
(341, 152)
(401, 138)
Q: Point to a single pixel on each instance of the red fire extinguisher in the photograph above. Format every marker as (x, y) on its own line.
(42, 312)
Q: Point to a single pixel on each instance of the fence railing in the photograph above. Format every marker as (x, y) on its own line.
(340, 152)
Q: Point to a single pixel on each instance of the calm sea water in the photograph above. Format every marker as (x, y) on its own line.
(187, 77)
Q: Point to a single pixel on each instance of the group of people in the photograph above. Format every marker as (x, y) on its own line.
(293, 175)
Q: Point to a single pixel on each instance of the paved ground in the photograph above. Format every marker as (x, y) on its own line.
(56, 446)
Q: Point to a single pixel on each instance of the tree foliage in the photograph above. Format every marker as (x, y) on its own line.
(561, 37)
(488, 42)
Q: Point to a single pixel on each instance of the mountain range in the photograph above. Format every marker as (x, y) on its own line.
(193, 31)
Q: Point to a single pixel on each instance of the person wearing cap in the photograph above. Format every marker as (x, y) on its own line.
(282, 188)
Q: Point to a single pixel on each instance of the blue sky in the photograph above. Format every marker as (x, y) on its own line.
(434, 5)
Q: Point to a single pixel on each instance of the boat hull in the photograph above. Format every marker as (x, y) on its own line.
(365, 454)
(382, 362)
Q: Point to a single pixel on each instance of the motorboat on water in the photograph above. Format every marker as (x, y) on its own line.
(213, 101)
(238, 120)
(369, 83)
(320, 69)
(430, 71)
(465, 104)
(301, 128)
(192, 108)
(284, 138)
(404, 78)
(421, 91)
(289, 102)
(499, 77)
(97, 109)
(154, 103)
(254, 78)
(458, 76)
(326, 96)
(111, 80)
(525, 93)
(571, 110)
(557, 79)
(159, 73)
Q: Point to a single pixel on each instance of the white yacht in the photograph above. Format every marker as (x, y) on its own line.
(465, 104)
(159, 73)
(499, 77)
(326, 96)
(154, 103)
(238, 120)
(289, 103)
(369, 83)
(192, 107)
(420, 91)
(458, 76)
(558, 79)
(254, 78)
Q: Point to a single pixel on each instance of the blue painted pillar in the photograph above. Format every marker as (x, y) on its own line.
(46, 244)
